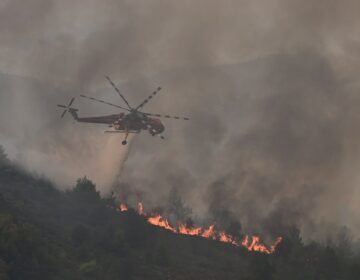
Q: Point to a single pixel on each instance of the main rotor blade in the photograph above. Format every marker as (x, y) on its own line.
(61, 106)
(104, 102)
(71, 101)
(148, 98)
(118, 91)
(63, 114)
(167, 116)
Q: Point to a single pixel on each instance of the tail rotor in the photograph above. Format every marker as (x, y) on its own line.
(67, 108)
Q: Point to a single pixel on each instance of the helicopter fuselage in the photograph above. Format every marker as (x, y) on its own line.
(136, 121)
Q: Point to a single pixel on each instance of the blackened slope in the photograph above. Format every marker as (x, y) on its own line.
(48, 234)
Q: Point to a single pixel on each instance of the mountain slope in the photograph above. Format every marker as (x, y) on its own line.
(49, 234)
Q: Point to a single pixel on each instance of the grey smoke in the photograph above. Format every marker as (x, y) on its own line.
(270, 86)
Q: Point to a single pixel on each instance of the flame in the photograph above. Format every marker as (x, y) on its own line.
(250, 243)
(208, 233)
(255, 245)
(183, 229)
(160, 222)
(123, 207)
(277, 242)
(227, 238)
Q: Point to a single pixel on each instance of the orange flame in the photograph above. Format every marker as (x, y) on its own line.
(255, 245)
(160, 222)
(210, 232)
(123, 207)
(277, 242)
(227, 238)
(183, 229)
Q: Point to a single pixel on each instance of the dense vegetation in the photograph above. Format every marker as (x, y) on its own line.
(49, 234)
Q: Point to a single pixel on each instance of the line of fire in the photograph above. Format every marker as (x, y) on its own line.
(251, 243)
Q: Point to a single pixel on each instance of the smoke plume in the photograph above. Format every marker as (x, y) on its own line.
(270, 87)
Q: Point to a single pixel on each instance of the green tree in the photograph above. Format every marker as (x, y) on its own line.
(86, 189)
(80, 234)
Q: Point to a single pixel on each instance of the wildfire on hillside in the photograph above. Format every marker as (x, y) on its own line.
(251, 243)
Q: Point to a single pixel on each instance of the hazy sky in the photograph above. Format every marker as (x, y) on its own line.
(271, 88)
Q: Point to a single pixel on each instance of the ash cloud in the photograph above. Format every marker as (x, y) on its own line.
(271, 89)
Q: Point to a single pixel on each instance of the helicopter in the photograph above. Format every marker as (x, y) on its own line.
(133, 121)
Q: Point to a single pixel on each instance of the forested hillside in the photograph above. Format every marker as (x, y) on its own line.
(49, 234)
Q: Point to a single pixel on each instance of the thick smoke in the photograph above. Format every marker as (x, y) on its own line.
(36, 137)
(270, 86)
